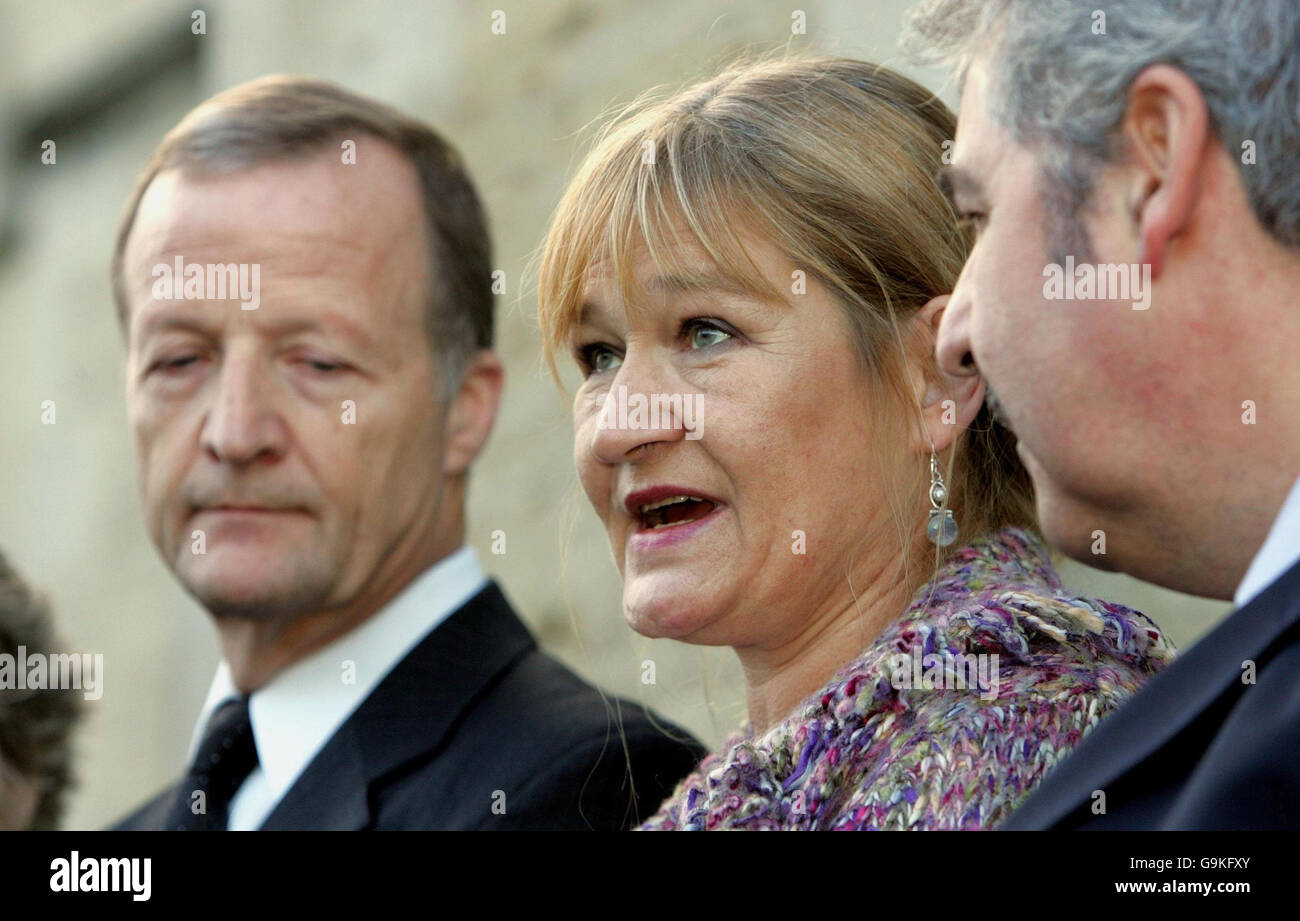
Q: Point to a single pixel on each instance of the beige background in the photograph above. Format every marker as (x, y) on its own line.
(105, 81)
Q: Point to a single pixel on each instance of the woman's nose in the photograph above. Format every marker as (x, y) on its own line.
(639, 409)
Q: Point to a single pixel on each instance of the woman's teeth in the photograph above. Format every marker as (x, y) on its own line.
(672, 511)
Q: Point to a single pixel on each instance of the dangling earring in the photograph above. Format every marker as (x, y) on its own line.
(942, 529)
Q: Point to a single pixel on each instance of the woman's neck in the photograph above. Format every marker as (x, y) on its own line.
(778, 678)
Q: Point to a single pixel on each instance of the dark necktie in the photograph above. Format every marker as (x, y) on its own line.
(222, 763)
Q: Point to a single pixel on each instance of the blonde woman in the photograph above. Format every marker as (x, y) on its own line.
(749, 275)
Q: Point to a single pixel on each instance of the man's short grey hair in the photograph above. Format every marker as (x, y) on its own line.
(1058, 83)
(282, 117)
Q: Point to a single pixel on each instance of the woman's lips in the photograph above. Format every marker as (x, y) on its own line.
(647, 539)
(634, 502)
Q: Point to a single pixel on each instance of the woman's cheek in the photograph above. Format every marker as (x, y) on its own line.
(591, 473)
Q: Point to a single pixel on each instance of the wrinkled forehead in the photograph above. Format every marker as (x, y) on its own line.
(304, 217)
(301, 196)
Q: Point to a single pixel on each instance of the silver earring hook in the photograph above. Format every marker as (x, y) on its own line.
(942, 528)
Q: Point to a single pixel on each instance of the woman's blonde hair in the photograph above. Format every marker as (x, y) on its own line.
(832, 161)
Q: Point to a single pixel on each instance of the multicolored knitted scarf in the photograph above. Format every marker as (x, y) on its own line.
(912, 734)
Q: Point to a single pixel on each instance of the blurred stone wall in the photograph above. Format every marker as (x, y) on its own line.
(105, 81)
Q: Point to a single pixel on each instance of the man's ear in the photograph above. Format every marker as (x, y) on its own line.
(948, 404)
(1166, 131)
(472, 412)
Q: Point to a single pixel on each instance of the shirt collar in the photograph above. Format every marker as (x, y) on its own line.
(302, 707)
(1279, 552)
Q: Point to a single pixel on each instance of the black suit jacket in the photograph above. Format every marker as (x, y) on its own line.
(1196, 748)
(477, 717)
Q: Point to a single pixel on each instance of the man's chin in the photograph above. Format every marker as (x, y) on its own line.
(242, 593)
(1076, 531)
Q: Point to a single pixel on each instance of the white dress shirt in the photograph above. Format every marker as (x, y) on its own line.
(1280, 551)
(301, 708)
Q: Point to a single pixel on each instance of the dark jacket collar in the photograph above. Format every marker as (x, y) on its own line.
(1168, 704)
(408, 714)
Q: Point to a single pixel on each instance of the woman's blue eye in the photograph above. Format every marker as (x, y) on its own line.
(596, 358)
(702, 334)
(699, 333)
(603, 359)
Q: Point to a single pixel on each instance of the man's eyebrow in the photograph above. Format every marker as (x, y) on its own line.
(327, 323)
(162, 321)
(954, 181)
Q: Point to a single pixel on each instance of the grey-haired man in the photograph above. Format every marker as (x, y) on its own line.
(1133, 173)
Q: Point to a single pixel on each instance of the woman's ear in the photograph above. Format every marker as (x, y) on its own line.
(948, 404)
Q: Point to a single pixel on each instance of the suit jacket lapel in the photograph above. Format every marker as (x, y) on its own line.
(407, 715)
(331, 794)
(1166, 705)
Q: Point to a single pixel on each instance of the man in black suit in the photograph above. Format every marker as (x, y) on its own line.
(1133, 178)
(303, 280)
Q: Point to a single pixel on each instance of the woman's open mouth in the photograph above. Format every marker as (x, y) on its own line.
(672, 512)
